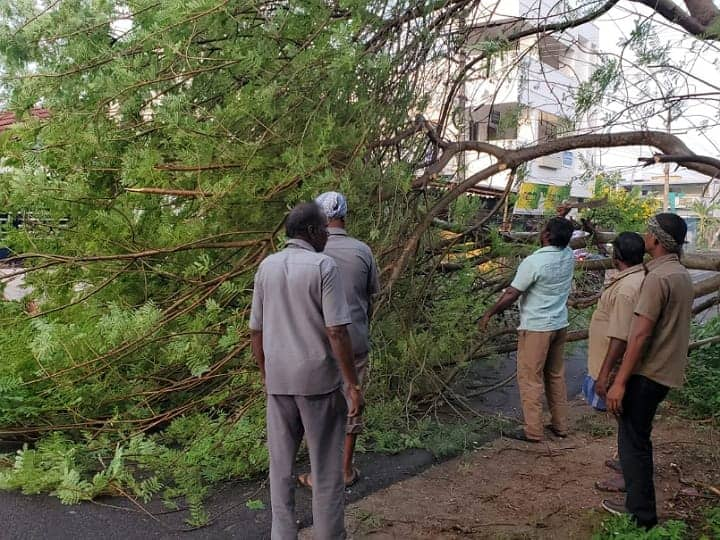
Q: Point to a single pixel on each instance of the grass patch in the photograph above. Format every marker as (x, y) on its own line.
(597, 425)
(388, 428)
(622, 528)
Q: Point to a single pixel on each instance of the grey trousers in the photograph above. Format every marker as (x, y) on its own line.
(322, 420)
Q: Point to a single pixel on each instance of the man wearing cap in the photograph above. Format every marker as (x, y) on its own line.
(300, 340)
(654, 361)
(360, 277)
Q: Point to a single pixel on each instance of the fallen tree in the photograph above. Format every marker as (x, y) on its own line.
(176, 140)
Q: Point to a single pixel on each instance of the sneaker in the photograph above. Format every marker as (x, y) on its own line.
(616, 509)
(519, 435)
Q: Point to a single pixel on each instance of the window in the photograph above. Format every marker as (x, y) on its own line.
(547, 128)
(474, 130)
(550, 51)
(502, 122)
(567, 159)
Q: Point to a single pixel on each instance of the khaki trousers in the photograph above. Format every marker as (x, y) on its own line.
(322, 420)
(541, 366)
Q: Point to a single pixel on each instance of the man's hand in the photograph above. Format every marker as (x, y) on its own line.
(615, 397)
(357, 402)
(601, 386)
(483, 322)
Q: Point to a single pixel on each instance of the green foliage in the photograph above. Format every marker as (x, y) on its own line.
(141, 361)
(622, 528)
(255, 504)
(464, 209)
(648, 46)
(712, 524)
(389, 428)
(624, 211)
(701, 392)
(597, 425)
(708, 225)
(604, 79)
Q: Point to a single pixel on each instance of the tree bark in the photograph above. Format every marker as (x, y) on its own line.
(692, 260)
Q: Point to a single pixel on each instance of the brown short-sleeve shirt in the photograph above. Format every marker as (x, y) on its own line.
(298, 293)
(613, 316)
(360, 277)
(666, 299)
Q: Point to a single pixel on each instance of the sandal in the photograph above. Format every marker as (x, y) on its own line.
(304, 480)
(353, 478)
(613, 464)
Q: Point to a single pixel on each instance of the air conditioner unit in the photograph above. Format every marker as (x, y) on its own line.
(553, 161)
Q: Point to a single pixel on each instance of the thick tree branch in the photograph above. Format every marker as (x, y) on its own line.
(681, 160)
(698, 22)
(172, 192)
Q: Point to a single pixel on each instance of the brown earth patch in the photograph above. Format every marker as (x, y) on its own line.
(514, 490)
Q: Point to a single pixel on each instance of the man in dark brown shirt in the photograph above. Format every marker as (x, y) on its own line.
(654, 362)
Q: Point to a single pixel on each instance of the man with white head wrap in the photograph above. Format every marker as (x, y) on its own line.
(654, 361)
(334, 205)
(360, 278)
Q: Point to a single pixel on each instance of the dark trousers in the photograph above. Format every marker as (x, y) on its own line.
(642, 397)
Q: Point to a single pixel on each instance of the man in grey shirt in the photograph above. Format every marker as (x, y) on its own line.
(298, 325)
(360, 277)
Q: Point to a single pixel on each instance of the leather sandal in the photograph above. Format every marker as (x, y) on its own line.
(354, 477)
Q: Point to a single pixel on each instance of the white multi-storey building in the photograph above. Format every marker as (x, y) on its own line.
(526, 95)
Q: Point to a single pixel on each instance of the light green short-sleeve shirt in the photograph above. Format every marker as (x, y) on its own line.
(545, 279)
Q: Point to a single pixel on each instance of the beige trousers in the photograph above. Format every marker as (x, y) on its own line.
(541, 367)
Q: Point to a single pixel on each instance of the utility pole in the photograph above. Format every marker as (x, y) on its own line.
(462, 129)
(666, 193)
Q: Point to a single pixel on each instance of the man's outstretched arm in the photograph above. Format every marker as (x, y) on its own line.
(507, 299)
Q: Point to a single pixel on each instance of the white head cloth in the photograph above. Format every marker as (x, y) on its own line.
(333, 204)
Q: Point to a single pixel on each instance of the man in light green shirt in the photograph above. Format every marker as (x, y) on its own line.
(542, 283)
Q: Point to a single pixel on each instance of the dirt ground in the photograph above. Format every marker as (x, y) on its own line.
(512, 490)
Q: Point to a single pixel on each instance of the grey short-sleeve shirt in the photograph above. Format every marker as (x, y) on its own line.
(298, 293)
(360, 277)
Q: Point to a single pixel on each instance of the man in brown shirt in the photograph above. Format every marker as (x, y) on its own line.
(610, 323)
(654, 362)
